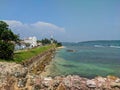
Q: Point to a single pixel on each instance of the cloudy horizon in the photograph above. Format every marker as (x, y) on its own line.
(66, 20)
(39, 29)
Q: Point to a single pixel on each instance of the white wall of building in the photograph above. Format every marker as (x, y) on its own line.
(32, 41)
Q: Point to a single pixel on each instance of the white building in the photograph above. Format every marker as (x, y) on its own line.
(32, 41)
(19, 47)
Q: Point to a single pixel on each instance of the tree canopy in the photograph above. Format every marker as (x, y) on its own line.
(49, 41)
(6, 34)
(7, 37)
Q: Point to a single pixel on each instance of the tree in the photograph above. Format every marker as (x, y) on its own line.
(7, 40)
(48, 41)
(6, 50)
(45, 41)
(59, 44)
(3, 26)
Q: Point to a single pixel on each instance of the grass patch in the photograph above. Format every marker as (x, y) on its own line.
(27, 54)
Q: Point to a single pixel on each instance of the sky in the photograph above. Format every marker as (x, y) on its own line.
(65, 20)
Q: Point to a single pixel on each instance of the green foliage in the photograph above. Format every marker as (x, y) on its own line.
(59, 44)
(3, 26)
(6, 50)
(7, 37)
(23, 55)
(45, 41)
(6, 34)
(49, 41)
(38, 41)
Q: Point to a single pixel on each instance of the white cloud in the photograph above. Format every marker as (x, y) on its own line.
(38, 29)
(13, 23)
(47, 25)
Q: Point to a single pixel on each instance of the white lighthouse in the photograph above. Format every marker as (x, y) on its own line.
(51, 39)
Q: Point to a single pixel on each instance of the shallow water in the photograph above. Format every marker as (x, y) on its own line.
(87, 60)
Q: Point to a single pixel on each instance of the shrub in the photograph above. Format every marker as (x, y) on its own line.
(7, 38)
(6, 50)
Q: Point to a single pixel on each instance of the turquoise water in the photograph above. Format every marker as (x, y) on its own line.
(89, 59)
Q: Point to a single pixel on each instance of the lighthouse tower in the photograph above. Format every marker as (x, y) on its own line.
(51, 39)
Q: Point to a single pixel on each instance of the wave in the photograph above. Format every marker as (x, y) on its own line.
(98, 46)
(111, 46)
(115, 46)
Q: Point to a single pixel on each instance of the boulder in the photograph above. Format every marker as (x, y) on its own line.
(100, 81)
(91, 83)
(67, 82)
(61, 87)
(56, 83)
(117, 80)
(114, 84)
(21, 82)
(47, 81)
(112, 78)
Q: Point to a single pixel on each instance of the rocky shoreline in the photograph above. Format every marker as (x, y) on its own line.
(23, 81)
(27, 76)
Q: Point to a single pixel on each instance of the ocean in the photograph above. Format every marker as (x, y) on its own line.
(87, 59)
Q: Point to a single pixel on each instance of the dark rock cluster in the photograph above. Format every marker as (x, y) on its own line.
(77, 83)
